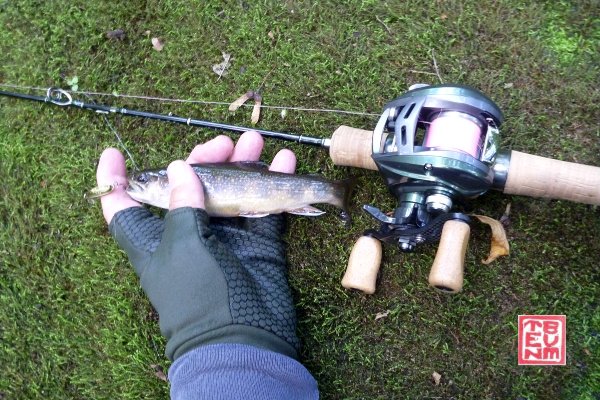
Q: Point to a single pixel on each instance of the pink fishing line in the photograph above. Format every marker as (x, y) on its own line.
(454, 133)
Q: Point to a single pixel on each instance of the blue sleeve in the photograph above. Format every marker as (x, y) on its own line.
(236, 371)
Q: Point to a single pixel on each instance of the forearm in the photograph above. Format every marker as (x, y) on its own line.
(235, 371)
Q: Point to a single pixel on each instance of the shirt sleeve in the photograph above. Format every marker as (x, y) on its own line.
(236, 371)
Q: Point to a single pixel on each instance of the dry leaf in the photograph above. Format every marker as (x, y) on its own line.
(271, 35)
(256, 108)
(221, 68)
(436, 378)
(158, 44)
(159, 372)
(499, 246)
(382, 314)
(241, 100)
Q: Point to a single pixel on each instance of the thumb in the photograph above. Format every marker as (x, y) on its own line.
(186, 188)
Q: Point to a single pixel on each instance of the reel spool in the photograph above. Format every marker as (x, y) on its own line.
(434, 146)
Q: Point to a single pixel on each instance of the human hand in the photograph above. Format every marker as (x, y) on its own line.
(211, 280)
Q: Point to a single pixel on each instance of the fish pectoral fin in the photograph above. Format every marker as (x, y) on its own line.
(308, 211)
(253, 215)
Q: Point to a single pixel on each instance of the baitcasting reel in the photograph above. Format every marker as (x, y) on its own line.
(434, 146)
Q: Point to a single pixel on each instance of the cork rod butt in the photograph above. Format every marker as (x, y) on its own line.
(352, 147)
(446, 272)
(363, 265)
(536, 176)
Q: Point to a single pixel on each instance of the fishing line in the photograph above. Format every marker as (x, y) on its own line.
(114, 131)
(191, 101)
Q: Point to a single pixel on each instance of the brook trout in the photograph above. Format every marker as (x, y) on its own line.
(247, 189)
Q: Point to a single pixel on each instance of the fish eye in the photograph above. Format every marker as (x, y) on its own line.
(142, 178)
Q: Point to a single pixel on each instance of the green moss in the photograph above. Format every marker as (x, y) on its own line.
(74, 322)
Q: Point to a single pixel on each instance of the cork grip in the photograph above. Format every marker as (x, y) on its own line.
(535, 176)
(447, 270)
(352, 147)
(363, 265)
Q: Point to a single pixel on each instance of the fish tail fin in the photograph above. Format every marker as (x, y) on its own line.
(344, 189)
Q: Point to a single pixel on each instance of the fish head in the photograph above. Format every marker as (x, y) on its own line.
(149, 187)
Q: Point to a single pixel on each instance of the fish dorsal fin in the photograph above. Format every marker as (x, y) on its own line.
(308, 211)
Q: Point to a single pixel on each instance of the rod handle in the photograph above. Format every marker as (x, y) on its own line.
(352, 147)
(446, 272)
(536, 176)
(363, 265)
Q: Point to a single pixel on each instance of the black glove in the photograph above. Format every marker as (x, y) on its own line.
(223, 282)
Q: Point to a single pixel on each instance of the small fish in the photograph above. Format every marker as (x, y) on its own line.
(247, 189)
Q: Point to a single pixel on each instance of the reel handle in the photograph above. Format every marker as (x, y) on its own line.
(536, 176)
(446, 272)
(352, 147)
(363, 265)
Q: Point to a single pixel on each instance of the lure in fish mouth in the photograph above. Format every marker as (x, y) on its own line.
(247, 189)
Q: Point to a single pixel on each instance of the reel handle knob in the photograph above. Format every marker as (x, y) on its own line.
(363, 265)
(446, 272)
(352, 147)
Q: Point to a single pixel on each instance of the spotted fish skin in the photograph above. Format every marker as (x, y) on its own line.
(246, 189)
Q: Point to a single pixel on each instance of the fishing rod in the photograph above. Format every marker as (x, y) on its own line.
(435, 146)
(61, 97)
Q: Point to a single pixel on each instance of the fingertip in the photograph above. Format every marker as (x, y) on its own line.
(248, 147)
(284, 161)
(186, 188)
(112, 171)
(218, 149)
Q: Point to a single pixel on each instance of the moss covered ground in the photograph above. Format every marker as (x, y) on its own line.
(74, 322)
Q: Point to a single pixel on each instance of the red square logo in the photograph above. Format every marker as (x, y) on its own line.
(542, 339)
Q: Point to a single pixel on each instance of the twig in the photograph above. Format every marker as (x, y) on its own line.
(435, 66)
(422, 72)
(387, 28)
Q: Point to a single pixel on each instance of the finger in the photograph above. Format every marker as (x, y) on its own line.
(248, 147)
(186, 189)
(284, 161)
(111, 170)
(218, 149)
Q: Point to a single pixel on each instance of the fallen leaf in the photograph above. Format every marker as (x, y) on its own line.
(158, 44)
(382, 314)
(436, 378)
(159, 372)
(221, 69)
(508, 85)
(117, 34)
(499, 246)
(271, 35)
(43, 184)
(256, 108)
(241, 100)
